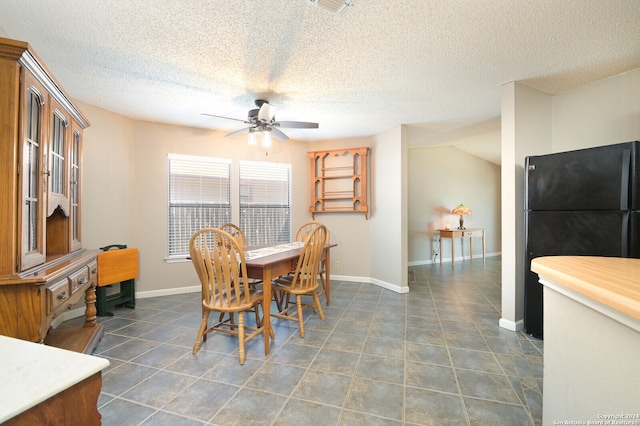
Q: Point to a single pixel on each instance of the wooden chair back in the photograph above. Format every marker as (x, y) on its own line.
(305, 277)
(219, 262)
(303, 232)
(237, 233)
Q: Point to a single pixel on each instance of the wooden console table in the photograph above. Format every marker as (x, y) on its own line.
(461, 233)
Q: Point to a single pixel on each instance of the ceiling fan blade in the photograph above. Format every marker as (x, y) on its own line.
(278, 134)
(296, 124)
(237, 132)
(267, 112)
(226, 118)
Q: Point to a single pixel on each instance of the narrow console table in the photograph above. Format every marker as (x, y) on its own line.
(461, 233)
(591, 339)
(47, 385)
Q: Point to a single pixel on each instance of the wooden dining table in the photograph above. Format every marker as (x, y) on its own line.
(275, 264)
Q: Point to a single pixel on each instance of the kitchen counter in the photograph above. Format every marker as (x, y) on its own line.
(33, 374)
(612, 281)
(591, 339)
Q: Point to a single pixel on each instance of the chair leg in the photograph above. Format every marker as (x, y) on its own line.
(300, 318)
(201, 335)
(241, 337)
(258, 320)
(316, 302)
(326, 287)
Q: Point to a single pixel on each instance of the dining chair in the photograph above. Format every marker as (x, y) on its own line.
(237, 233)
(304, 281)
(301, 235)
(219, 262)
(241, 238)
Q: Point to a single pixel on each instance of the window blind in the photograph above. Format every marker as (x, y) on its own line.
(265, 201)
(199, 197)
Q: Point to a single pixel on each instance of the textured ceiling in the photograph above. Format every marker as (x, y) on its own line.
(438, 65)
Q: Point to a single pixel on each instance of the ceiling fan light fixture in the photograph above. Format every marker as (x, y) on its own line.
(266, 138)
(251, 139)
(267, 112)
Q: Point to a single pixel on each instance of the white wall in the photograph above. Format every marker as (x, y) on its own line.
(440, 178)
(388, 227)
(526, 130)
(533, 123)
(603, 113)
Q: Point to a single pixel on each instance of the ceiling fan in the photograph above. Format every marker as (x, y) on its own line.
(263, 119)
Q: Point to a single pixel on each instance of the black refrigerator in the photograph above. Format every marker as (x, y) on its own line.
(579, 203)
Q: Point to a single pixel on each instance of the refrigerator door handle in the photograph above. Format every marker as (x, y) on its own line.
(624, 179)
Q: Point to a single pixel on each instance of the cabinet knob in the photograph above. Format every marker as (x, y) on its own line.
(82, 281)
(63, 295)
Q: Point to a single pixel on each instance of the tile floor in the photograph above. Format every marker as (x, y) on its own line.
(434, 356)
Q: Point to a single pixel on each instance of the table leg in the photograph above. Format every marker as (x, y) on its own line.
(266, 308)
(327, 268)
(453, 244)
(471, 248)
(440, 250)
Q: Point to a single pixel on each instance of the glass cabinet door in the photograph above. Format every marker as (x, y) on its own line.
(76, 155)
(58, 161)
(33, 179)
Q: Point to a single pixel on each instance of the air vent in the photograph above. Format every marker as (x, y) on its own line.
(335, 6)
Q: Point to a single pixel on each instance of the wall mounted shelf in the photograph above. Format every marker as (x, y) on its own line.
(338, 181)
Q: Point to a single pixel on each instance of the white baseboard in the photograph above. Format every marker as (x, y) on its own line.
(448, 259)
(511, 325)
(168, 292)
(393, 287)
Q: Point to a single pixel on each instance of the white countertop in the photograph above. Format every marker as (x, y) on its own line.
(32, 373)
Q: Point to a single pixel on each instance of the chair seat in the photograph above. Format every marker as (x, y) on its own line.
(285, 283)
(223, 303)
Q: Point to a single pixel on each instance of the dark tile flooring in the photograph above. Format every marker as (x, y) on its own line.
(433, 356)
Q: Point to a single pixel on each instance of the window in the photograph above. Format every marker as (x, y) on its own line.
(265, 202)
(199, 197)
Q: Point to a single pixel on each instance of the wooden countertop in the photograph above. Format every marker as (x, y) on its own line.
(612, 281)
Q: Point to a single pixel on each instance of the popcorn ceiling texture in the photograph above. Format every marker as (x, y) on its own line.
(438, 64)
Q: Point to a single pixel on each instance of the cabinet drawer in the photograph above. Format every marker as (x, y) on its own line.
(58, 294)
(78, 279)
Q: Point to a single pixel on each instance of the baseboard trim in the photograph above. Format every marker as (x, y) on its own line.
(511, 325)
(448, 259)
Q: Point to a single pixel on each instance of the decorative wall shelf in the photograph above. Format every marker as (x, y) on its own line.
(338, 181)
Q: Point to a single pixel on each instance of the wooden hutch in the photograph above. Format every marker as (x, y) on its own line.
(44, 271)
(339, 181)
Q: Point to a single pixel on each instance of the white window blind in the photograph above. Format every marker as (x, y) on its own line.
(199, 197)
(265, 202)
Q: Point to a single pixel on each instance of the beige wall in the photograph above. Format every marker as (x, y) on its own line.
(440, 178)
(125, 193)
